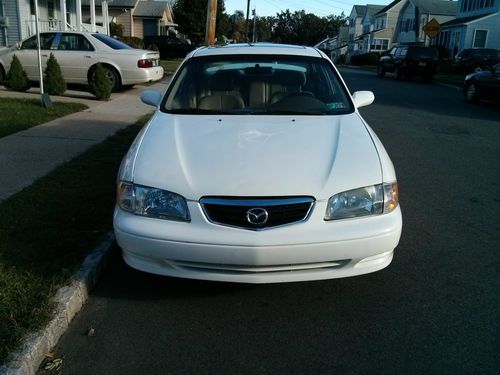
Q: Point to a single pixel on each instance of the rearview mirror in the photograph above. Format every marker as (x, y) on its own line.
(151, 97)
(363, 98)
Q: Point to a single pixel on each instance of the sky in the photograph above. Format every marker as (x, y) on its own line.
(320, 8)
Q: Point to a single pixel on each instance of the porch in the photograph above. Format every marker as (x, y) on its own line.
(66, 15)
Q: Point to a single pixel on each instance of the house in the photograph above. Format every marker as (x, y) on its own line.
(119, 11)
(368, 37)
(477, 25)
(139, 18)
(153, 18)
(17, 18)
(355, 29)
(384, 25)
(335, 46)
(416, 13)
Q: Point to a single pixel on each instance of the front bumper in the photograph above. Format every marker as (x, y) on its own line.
(311, 250)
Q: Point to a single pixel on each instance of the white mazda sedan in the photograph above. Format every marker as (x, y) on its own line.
(257, 168)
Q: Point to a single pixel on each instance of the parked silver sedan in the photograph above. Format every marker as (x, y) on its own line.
(78, 53)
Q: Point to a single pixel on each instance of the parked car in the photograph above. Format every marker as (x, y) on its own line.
(78, 53)
(169, 46)
(484, 84)
(257, 167)
(473, 59)
(409, 61)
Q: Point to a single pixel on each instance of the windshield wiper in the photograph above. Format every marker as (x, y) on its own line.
(197, 111)
(292, 112)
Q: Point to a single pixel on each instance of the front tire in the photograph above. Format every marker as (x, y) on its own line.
(471, 94)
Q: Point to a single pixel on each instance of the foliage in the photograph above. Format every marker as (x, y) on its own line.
(370, 58)
(304, 28)
(99, 84)
(116, 29)
(17, 79)
(20, 114)
(191, 16)
(286, 27)
(37, 259)
(133, 41)
(54, 82)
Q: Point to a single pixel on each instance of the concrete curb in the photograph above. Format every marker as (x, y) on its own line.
(69, 300)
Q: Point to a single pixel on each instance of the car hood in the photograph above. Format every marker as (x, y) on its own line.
(256, 156)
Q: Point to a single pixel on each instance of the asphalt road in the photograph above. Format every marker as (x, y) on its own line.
(435, 309)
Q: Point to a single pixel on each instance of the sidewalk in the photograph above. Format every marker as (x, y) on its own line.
(31, 154)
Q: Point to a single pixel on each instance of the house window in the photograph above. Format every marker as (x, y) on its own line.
(51, 9)
(480, 38)
(379, 44)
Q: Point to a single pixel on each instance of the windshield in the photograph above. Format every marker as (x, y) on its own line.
(243, 85)
(111, 42)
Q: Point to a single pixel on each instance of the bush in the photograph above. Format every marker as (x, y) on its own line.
(99, 84)
(53, 78)
(17, 79)
(116, 29)
(370, 58)
(133, 41)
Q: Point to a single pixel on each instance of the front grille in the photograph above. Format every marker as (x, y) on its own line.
(234, 211)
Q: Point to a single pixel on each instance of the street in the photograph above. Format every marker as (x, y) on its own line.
(435, 309)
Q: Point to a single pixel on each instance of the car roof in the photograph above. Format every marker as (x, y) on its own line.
(257, 49)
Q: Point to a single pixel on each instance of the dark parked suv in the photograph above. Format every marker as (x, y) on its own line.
(409, 61)
(169, 46)
(473, 59)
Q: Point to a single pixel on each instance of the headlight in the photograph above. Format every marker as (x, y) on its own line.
(369, 200)
(151, 202)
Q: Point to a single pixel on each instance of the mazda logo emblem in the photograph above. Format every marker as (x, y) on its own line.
(257, 216)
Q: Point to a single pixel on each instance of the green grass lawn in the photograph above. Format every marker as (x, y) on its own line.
(19, 114)
(47, 229)
(450, 79)
(170, 65)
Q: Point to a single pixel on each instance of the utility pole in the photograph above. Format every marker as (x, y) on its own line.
(44, 97)
(254, 39)
(246, 23)
(211, 20)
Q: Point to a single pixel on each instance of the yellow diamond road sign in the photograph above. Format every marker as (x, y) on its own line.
(432, 28)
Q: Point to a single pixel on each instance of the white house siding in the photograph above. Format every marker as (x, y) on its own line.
(24, 12)
(492, 24)
(11, 34)
(138, 27)
(468, 8)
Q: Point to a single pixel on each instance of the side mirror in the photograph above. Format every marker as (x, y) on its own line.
(363, 98)
(18, 45)
(151, 97)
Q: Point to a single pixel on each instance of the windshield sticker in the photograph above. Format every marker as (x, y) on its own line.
(336, 105)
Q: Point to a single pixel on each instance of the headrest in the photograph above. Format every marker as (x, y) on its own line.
(289, 78)
(223, 80)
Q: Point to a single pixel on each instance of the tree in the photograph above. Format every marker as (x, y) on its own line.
(53, 78)
(99, 84)
(191, 16)
(17, 79)
(116, 29)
